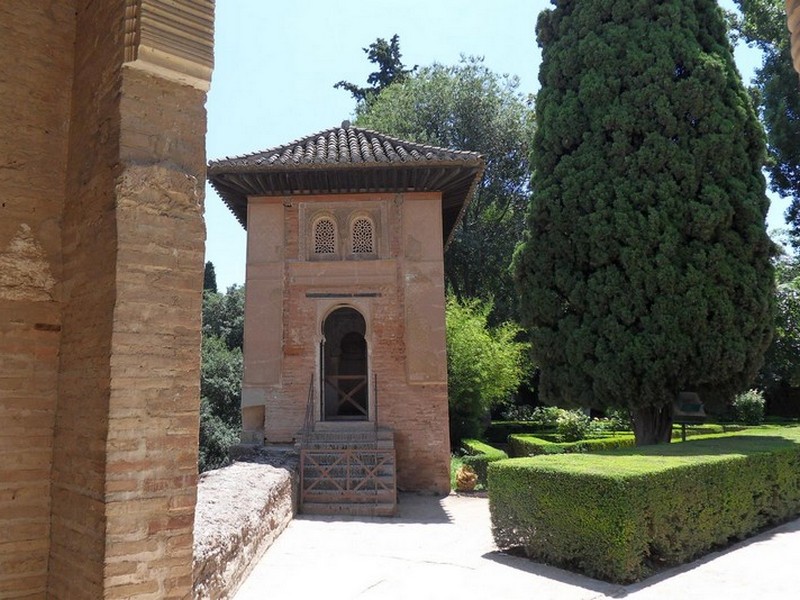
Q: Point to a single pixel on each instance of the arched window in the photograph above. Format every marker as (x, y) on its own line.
(363, 236)
(325, 236)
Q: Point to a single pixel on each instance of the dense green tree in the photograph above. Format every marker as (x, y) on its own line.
(782, 360)
(763, 24)
(646, 269)
(220, 375)
(386, 55)
(209, 278)
(485, 365)
(469, 107)
(223, 316)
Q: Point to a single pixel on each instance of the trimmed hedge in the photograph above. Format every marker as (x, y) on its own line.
(619, 516)
(478, 455)
(498, 431)
(529, 445)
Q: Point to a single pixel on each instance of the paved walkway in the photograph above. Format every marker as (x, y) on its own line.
(442, 549)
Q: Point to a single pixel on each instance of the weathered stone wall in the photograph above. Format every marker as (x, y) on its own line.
(241, 511)
(36, 40)
(404, 315)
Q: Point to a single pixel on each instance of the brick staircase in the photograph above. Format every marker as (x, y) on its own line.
(347, 470)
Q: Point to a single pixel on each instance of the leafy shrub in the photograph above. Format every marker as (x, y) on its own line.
(484, 365)
(478, 455)
(498, 431)
(529, 445)
(216, 438)
(518, 413)
(613, 516)
(617, 419)
(220, 376)
(748, 407)
(573, 425)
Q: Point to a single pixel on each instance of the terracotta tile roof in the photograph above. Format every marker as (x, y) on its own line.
(350, 160)
(345, 145)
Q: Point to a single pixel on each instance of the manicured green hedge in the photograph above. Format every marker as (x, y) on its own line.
(498, 431)
(620, 515)
(478, 455)
(528, 445)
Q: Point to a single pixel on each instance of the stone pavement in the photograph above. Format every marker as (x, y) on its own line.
(442, 549)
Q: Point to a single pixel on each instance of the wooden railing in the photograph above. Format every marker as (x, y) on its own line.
(346, 386)
(347, 475)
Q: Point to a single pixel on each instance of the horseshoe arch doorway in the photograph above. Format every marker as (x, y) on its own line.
(345, 384)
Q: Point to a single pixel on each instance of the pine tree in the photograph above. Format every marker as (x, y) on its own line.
(646, 267)
(210, 278)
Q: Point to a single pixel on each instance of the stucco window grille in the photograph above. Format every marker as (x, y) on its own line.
(363, 236)
(325, 237)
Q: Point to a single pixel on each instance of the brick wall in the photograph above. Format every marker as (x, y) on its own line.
(405, 328)
(36, 40)
(101, 261)
(77, 548)
(151, 450)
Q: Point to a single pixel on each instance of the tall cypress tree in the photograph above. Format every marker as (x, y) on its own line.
(646, 267)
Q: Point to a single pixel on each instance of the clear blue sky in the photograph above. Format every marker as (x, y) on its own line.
(276, 63)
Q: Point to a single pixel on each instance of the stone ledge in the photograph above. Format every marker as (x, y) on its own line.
(241, 510)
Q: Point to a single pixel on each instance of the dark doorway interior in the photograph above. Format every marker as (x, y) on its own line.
(344, 359)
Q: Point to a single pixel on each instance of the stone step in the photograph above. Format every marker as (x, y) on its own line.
(335, 483)
(382, 497)
(384, 509)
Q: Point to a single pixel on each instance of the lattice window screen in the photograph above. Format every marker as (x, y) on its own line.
(325, 237)
(363, 237)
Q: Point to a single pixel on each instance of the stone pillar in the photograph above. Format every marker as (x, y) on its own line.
(125, 451)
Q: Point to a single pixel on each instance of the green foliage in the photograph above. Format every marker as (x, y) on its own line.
(484, 365)
(748, 407)
(543, 416)
(615, 516)
(209, 278)
(220, 375)
(390, 70)
(763, 25)
(478, 455)
(498, 431)
(221, 378)
(223, 316)
(782, 359)
(216, 438)
(573, 425)
(532, 445)
(646, 267)
(469, 107)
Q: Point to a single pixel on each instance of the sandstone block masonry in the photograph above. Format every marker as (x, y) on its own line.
(101, 254)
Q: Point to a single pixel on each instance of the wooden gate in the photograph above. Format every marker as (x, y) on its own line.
(352, 480)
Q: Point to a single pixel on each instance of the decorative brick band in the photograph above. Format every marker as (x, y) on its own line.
(171, 38)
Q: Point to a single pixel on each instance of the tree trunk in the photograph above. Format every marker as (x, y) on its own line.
(652, 425)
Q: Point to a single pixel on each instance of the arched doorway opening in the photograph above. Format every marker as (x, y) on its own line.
(345, 388)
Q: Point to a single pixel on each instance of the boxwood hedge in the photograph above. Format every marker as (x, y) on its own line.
(619, 516)
(529, 445)
(478, 455)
